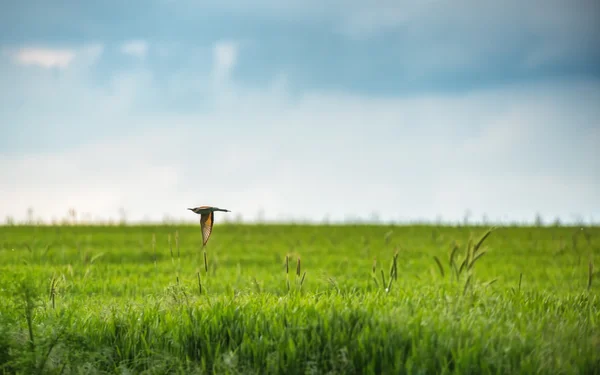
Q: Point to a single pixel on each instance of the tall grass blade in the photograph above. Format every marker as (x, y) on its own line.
(375, 280)
(469, 254)
(462, 266)
(394, 267)
(590, 274)
(520, 279)
(53, 281)
(441, 268)
(334, 283)
(479, 255)
(453, 254)
(389, 286)
(171, 249)
(256, 284)
(452, 261)
(467, 283)
(199, 282)
(177, 242)
(483, 238)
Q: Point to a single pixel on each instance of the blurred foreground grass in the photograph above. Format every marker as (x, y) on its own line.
(138, 299)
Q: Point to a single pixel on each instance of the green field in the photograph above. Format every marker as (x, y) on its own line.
(138, 299)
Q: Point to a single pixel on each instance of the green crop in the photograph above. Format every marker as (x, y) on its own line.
(299, 299)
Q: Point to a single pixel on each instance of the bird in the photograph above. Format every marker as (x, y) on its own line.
(207, 219)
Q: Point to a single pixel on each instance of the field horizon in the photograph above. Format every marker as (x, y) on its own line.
(299, 298)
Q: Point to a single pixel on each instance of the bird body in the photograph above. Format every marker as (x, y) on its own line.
(207, 219)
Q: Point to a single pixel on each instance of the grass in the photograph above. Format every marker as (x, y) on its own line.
(299, 299)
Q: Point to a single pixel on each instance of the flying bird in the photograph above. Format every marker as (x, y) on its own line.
(207, 219)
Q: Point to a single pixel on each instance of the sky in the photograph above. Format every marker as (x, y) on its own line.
(394, 111)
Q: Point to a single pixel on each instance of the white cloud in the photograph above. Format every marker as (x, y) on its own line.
(136, 48)
(62, 58)
(225, 55)
(507, 152)
(44, 57)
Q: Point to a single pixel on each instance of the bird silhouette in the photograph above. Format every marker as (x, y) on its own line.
(207, 219)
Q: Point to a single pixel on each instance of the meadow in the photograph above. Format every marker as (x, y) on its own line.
(299, 299)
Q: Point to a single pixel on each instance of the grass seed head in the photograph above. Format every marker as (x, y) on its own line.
(590, 274)
(287, 264)
(439, 264)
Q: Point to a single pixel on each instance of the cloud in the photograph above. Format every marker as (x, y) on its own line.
(508, 152)
(61, 58)
(471, 30)
(387, 46)
(478, 31)
(225, 55)
(136, 48)
(44, 57)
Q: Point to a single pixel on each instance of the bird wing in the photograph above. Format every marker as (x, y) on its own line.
(206, 224)
(201, 209)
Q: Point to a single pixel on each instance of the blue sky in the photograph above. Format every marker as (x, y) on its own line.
(302, 110)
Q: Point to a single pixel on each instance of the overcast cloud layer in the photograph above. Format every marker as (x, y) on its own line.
(402, 111)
